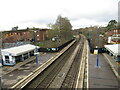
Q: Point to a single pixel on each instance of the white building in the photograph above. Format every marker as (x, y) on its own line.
(13, 55)
(114, 50)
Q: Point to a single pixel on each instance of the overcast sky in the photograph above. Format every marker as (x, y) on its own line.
(39, 13)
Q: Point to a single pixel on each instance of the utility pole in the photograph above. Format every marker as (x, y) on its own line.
(97, 58)
(36, 50)
(58, 38)
(90, 39)
(116, 37)
(0, 61)
(59, 32)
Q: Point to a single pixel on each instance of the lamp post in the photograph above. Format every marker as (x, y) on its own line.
(97, 60)
(0, 60)
(116, 37)
(59, 32)
(36, 50)
(97, 47)
(90, 39)
(58, 38)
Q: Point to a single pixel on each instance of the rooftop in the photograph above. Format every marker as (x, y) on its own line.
(15, 51)
(114, 48)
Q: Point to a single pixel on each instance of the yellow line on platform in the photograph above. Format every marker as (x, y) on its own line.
(114, 70)
(87, 57)
(118, 63)
(19, 62)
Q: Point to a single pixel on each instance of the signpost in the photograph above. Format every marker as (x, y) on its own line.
(96, 53)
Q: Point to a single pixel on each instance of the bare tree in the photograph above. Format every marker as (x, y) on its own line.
(15, 28)
(62, 23)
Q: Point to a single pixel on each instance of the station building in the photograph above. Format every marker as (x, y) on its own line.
(13, 55)
(114, 51)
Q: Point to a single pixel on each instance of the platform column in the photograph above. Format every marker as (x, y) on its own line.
(28, 54)
(22, 57)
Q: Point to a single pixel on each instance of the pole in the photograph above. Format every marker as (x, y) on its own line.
(97, 59)
(90, 39)
(0, 60)
(36, 56)
(116, 36)
(58, 38)
(59, 32)
(35, 34)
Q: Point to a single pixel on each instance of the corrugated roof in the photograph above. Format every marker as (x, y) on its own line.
(19, 49)
(114, 49)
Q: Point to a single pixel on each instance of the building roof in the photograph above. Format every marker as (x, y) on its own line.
(25, 30)
(114, 49)
(15, 51)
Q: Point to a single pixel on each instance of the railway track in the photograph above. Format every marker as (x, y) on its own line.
(48, 75)
(71, 77)
(61, 73)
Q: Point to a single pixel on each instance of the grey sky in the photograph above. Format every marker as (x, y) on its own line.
(39, 13)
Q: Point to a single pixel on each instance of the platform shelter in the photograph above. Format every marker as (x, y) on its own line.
(13, 55)
(114, 51)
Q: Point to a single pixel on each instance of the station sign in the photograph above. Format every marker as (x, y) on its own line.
(53, 49)
(95, 51)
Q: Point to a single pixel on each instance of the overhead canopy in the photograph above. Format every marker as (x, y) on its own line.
(114, 49)
(15, 51)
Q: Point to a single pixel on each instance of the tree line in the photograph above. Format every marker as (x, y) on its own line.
(61, 29)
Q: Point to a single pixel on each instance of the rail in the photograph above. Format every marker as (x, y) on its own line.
(32, 75)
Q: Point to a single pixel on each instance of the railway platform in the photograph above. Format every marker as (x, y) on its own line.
(102, 76)
(13, 74)
(113, 64)
(22, 71)
(42, 58)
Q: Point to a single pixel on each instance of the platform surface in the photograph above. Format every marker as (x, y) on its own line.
(102, 76)
(13, 76)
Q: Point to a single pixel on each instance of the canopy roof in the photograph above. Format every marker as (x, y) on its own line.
(15, 51)
(114, 49)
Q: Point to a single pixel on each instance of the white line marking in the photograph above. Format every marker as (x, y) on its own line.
(116, 73)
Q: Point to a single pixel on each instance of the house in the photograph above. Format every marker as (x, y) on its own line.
(112, 32)
(25, 35)
(113, 36)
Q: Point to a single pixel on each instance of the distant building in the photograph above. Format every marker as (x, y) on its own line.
(112, 32)
(24, 35)
(113, 36)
